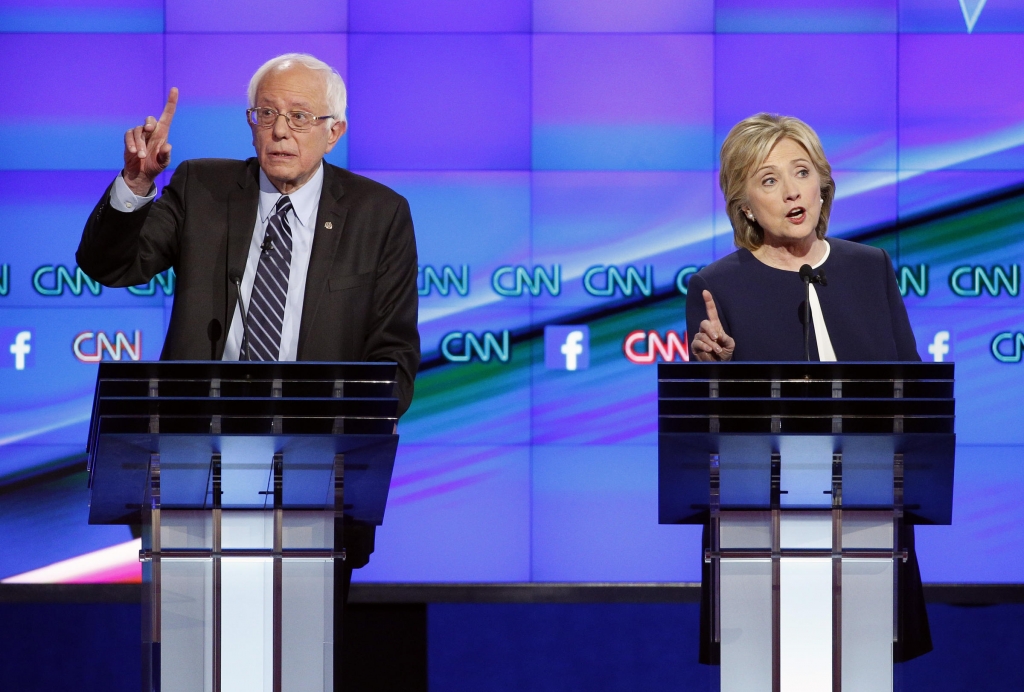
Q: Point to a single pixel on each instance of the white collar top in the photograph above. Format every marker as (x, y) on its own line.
(821, 338)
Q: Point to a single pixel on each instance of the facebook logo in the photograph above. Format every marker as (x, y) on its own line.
(17, 348)
(939, 347)
(567, 347)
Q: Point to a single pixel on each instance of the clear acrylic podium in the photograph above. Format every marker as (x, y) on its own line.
(238, 474)
(802, 474)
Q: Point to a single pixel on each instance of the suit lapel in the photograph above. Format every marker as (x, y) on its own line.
(243, 205)
(331, 212)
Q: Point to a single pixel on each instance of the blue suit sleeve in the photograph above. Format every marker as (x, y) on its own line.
(903, 335)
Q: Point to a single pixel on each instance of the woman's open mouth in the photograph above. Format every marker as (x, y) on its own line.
(797, 215)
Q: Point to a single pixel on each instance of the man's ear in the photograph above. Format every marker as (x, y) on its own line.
(338, 128)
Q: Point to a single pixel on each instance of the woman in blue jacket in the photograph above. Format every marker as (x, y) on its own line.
(749, 305)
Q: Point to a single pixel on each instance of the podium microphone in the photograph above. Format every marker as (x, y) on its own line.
(213, 332)
(807, 275)
(236, 279)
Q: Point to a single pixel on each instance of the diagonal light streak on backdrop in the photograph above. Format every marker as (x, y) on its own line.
(972, 10)
(654, 241)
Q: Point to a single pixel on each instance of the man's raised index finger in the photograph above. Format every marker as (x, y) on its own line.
(172, 104)
(709, 304)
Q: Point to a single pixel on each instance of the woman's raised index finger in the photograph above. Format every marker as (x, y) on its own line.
(709, 304)
(172, 104)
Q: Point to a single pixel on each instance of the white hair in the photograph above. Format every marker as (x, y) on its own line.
(334, 86)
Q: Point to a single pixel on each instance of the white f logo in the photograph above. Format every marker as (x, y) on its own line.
(571, 348)
(20, 348)
(939, 346)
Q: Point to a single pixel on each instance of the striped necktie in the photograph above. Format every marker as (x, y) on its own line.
(270, 289)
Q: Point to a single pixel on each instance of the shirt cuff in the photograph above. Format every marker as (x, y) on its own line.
(123, 199)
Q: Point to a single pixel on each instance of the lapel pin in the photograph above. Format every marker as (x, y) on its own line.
(328, 225)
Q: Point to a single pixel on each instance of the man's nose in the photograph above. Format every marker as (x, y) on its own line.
(281, 129)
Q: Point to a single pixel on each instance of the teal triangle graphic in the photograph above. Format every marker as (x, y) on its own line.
(972, 10)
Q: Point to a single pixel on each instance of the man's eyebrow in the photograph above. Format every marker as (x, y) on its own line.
(305, 105)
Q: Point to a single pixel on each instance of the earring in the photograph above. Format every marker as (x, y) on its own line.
(751, 216)
(821, 200)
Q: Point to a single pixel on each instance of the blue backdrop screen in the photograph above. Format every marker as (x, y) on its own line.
(560, 159)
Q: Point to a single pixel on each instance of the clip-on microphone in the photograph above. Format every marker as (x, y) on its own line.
(236, 279)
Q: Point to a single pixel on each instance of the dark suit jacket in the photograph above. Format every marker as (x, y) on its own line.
(360, 301)
(762, 307)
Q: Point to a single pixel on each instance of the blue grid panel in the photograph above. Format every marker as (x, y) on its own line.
(61, 107)
(582, 219)
(994, 16)
(257, 16)
(724, 242)
(577, 409)
(622, 102)
(806, 16)
(440, 101)
(987, 391)
(473, 401)
(212, 73)
(668, 16)
(47, 522)
(865, 201)
(494, 317)
(451, 210)
(924, 192)
(983, 544)
(960, 107)
(394, 16)
(455, 514)
(44, 212)
(82, 16)
(849, 99)
(595, 518)
(49, 402)
(943, 252)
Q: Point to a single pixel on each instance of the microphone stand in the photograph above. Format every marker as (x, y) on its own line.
(807, 274)
(807, 321)
(236, 278)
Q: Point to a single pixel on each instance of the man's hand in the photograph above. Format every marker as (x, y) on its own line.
(146, 149)
(711, 342)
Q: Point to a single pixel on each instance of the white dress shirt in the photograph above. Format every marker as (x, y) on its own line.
(301, 219)
(825, 350)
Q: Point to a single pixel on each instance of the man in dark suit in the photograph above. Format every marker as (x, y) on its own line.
(325, 259)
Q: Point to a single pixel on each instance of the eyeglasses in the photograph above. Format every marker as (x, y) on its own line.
(299, 121)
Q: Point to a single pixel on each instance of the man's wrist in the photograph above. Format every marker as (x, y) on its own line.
(141, 186)
(124, 199)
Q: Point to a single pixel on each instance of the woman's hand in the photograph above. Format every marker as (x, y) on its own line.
(711, 342)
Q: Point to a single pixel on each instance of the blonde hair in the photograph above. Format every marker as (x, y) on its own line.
(748, 144)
